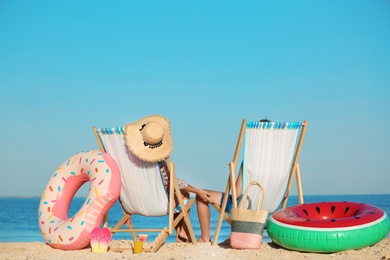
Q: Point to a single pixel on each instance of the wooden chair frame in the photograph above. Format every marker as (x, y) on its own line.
(174, 195)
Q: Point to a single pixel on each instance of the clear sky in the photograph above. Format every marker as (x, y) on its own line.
(66, 66)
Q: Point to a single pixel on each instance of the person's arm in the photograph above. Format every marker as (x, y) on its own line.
(204, 195)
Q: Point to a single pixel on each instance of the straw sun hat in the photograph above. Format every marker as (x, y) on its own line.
(149, 138)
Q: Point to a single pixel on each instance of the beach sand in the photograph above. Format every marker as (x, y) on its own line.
(39, 250)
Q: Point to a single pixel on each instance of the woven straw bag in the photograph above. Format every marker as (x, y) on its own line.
(247, 224)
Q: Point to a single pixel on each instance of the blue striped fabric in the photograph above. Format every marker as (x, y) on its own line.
(269, 149)
(273, 125)
(111, 130)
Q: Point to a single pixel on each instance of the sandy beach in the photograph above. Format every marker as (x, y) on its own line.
(39, 250)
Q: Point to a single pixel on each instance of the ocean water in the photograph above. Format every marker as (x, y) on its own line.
(19, 217)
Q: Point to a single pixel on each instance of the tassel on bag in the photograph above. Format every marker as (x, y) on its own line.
(248, 225)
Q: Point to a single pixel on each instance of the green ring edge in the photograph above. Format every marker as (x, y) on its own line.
(328, 241)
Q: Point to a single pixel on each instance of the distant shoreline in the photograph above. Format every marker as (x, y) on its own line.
(80, 197)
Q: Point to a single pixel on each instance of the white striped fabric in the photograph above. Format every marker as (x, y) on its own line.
(142, 189)
(268, 156)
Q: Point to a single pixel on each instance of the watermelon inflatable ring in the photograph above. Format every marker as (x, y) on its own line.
(328, 227)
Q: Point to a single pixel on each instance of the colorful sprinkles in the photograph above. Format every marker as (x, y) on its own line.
(65, 233)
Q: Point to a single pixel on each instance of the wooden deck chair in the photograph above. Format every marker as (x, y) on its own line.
(142, 190)
(270, 156)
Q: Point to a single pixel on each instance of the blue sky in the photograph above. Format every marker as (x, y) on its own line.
(66, 66)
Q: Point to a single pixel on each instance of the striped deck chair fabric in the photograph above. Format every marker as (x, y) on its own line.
(142, 189)
(269, 151)
(270, 157)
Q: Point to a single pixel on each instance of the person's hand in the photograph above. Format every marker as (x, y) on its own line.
(204, 195)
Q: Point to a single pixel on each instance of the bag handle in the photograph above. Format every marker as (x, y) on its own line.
(243, 201)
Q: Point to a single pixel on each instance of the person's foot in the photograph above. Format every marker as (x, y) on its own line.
(180, 239)
(201, 240)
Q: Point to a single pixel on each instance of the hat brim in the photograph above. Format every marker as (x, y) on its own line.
(135, 142)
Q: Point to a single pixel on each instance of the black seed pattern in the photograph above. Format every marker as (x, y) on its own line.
(357, 214)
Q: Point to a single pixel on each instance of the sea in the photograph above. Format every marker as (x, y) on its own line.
(19, 217)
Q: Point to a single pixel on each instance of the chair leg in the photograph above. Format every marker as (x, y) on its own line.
(105, 221)
(299, 185)
(221, 215)
(225, 215)
(160, 239)
(183, 215)
(120, 223)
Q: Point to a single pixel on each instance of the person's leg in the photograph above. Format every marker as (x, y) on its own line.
(182, 233)
(239, 183)
(204, 214)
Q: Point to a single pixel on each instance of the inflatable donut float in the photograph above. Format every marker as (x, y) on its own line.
(328, 226)
(71, 233)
